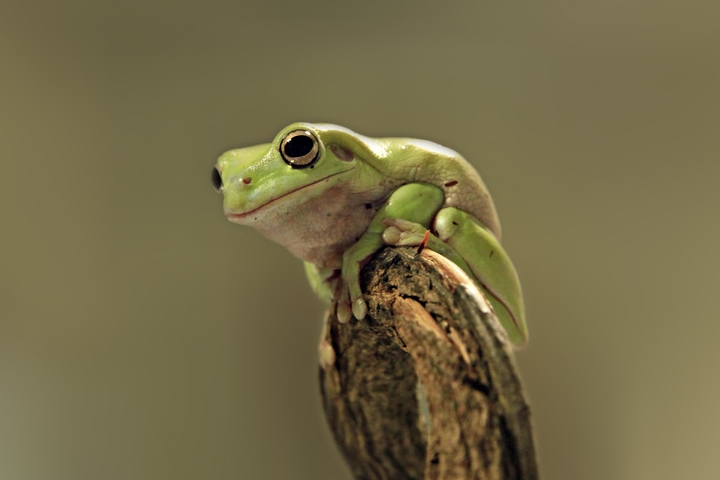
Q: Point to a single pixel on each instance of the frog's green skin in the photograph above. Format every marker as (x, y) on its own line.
(361, 193)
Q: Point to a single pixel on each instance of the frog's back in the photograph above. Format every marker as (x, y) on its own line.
(408, 160)
(424, 161)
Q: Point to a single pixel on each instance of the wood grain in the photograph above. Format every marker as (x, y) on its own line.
(425, 386)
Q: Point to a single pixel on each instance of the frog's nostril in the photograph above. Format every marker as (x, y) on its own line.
(217, 180)
(247, 180)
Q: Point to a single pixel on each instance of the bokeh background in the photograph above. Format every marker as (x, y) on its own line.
(142, 336)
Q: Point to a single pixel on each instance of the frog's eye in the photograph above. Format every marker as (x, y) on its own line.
(299, 149)
(217, 180)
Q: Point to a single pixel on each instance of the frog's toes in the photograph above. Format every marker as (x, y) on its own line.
(391, 235)
(403, 225)
(359, 308)
(347, 308)
(343, 310)
(326, 355)
(401, 232)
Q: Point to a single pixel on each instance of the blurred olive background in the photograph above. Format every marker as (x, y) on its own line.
(142, 336)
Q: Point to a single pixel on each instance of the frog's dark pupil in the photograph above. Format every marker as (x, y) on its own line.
(299, 146)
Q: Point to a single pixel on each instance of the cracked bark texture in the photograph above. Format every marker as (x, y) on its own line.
(425, 386)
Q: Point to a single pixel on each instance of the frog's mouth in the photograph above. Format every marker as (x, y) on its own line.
(239, 217)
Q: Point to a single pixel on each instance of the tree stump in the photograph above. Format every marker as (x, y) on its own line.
(424, 387)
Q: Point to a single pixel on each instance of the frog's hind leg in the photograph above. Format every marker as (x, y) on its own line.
(461, 238)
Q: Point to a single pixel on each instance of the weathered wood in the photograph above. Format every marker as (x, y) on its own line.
(425, 386)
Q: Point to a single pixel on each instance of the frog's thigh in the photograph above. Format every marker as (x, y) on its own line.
(490, 265)
(415, 202)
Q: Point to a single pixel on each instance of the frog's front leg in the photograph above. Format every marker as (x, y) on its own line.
(415, 202)
(464, 240)
(323, 282)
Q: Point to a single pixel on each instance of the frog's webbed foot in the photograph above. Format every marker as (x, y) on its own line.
(330, 285)
(403, 233)
(350, 302)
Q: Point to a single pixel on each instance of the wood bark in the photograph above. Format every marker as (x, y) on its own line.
(424, 387)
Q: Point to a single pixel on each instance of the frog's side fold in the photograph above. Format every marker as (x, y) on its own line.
(425, 386)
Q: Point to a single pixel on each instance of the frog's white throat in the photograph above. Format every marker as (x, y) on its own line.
(317, 230)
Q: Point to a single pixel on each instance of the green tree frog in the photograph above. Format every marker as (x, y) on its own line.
(333, 197)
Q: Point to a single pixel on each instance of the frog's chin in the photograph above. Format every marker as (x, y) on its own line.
(248, 216)
(251, 215)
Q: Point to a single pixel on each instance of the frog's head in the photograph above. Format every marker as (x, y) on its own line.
(304, 161)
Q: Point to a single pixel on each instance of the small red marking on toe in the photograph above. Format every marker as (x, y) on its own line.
(423, 244)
